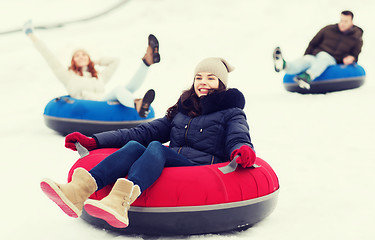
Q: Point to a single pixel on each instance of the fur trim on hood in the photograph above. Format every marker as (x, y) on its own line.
(217, 101)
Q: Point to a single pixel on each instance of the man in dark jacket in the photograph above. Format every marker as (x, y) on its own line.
(338, 43)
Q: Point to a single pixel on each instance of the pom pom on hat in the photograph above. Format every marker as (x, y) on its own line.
(218, 66)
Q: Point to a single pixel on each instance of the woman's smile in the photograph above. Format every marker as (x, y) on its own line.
(204, 82)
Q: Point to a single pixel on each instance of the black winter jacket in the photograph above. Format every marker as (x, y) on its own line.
(338, 44)
(206, 139)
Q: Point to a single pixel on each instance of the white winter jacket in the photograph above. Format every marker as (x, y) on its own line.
(81, 87)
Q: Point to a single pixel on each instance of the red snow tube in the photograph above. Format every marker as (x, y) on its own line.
(194, 200)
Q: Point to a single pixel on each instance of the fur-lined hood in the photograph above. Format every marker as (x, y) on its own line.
(217, 101)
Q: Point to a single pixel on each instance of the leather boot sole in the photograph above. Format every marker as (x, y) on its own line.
(154, 44)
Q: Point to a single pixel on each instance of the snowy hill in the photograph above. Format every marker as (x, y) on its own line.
(320, 146)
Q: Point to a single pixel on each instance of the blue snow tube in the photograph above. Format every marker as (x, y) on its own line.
(335, 78)
(66, 115)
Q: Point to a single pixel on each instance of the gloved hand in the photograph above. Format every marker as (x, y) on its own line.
(246, 156)
(28, 27)
(87, 142)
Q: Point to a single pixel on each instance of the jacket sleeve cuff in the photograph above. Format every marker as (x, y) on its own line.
(237, 146)
(97, 141)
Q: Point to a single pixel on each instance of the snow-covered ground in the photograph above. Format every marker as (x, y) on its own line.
(321, 146)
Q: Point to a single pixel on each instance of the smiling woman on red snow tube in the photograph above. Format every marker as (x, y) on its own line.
(224, 198)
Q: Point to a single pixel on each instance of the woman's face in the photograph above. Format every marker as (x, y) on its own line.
(204, 82)
(81, 58)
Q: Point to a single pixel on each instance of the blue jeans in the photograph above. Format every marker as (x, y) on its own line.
(142, 165)
(313, 65)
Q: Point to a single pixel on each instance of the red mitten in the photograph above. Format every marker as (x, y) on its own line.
(246, 156)
(87, 142)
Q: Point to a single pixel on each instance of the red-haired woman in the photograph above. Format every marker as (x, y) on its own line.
(83, 81)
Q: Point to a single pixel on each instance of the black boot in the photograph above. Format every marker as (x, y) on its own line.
(152, 54)
(154, 44)
(146, 101)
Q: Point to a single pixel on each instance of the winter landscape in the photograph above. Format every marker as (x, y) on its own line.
(320, 146)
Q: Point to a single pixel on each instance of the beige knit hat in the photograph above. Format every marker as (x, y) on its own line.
(218, 66)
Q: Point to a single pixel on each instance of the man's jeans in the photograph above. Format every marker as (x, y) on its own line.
(313, 65)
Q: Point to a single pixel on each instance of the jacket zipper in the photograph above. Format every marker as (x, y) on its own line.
(212, 159)
(187, 128)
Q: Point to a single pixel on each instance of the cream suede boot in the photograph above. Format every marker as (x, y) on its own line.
(135, 194)
(113, 208)
(71, 196)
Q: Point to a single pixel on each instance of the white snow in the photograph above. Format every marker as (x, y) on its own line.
(320, 146)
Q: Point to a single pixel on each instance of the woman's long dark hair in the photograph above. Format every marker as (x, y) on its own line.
(189, 101)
